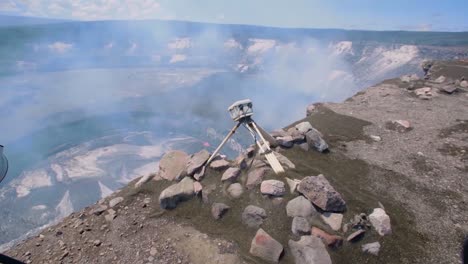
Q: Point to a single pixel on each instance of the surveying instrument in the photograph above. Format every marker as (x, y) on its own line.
(241, 112)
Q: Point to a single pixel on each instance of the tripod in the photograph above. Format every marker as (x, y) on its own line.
(262, 144)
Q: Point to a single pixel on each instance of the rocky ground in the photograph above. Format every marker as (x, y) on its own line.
(379, 178)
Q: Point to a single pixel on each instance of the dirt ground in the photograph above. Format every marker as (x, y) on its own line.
(419, 176)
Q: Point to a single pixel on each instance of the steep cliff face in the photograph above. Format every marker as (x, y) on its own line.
(397, 160)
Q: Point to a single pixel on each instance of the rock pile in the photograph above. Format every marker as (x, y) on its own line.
(302, 134)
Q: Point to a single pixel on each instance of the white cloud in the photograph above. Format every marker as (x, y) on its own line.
(60, 47)
(8, 6)
(180, 43)
(92, 9)
(177, 58)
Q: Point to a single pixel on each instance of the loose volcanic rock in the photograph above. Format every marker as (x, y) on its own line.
(441, 79)
(253, 216)
(296, 135)
(333, 220)
(371, 248)
(286, 141)
(292, 183)
(255, 177)
(111, 215)
(115, 201)
(197, 187)
(172, 165)
(450, 89)
(199, 174)
(399, 125)
(300, 206)
(329, 240)
(99, 209)
(464, 84)
(273, 187)
(375, 138)
(196, 161)
(265, 247)
(300, 226)
(231, 175)
(279, 133)
(172, 195)
(320, 192)
(219, 165)
(310, 109)
(381, 221)
(218, 210)
(304, 127)
(315, 140)
(356, 236)
(309, 250)
(235, 190)
(424, 93)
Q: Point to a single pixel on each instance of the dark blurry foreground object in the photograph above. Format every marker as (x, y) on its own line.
(3, 164)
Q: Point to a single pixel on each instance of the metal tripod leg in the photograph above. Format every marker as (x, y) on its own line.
(233, 130)
(270, 156)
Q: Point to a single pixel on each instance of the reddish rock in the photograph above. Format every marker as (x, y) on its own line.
(329, 240)
(231, 174)
(265, 247)
(320, 192)
(197, 161)
(273, 187)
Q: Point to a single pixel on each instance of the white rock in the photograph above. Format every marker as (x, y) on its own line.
(441, 79)
(304, 127)
(292, 183)
(375, 138)
(371, 248)
(381, 221)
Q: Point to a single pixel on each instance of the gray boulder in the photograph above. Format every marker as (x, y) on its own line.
(265, 247)
(279, 133)
(172, 165)
(309, 250)
(320, 192)
(255, 177)
(218, 210)
(300, 206)
(315, 140)
(235, 190)
(231, 175)
(219, 164)
(381, 221)
(286, 141)
(176, 193)
(196, 161)
(253, 216)
(333, 220)
(115, 201)
(273, 187)
(296, 135)
(300, 226)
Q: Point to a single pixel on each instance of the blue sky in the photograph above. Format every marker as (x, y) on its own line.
(423, 15)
